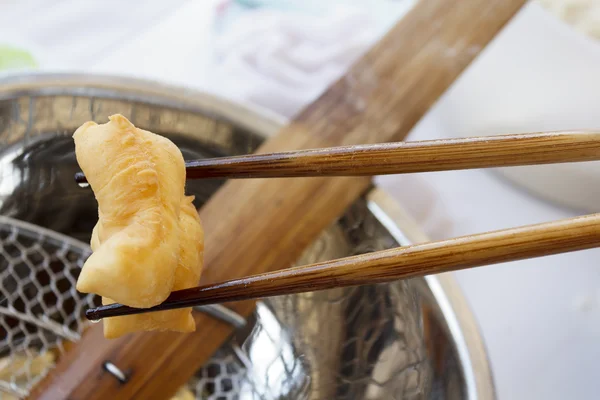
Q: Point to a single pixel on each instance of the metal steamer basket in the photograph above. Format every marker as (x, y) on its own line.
(411, 339)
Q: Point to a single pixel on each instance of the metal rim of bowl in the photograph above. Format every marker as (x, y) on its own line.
(461, 322)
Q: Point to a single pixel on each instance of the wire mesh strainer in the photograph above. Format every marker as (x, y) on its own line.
(39, 306)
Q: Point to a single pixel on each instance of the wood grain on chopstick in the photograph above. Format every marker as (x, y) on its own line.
(407, 157)
(389, 265)
(404, 157)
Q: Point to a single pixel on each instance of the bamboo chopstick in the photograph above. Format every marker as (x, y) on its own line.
(382, 266)
(404, 157)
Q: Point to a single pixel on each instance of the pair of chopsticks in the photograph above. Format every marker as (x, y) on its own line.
(404, 262)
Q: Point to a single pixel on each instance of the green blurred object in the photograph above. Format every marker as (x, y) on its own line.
(13, 57)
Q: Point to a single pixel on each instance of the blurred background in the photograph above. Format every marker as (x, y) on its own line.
(540, 318)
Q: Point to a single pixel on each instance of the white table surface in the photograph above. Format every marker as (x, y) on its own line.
(540, 318)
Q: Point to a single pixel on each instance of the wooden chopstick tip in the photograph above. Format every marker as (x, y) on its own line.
(92, 315)
(96, 314)
(81, 180)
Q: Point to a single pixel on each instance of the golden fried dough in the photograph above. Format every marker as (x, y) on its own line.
(148, 240)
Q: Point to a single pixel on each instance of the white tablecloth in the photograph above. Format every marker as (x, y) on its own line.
(540, 318)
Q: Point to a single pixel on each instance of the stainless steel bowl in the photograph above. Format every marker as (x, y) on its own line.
(409, 339)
